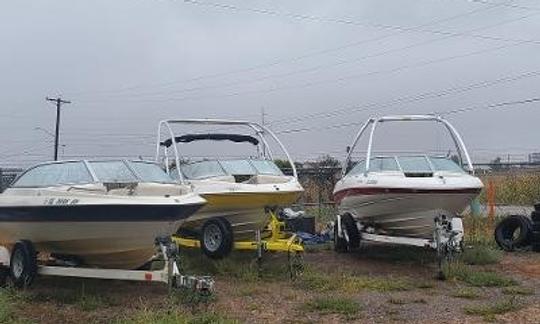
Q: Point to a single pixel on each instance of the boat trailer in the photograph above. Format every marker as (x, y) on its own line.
(22, 267)
(447, 238)
(274, 238)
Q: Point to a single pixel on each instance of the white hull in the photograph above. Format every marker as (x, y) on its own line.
(410, 215)
(110, 245)
(106, 230)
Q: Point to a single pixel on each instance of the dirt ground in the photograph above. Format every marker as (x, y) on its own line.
(404, 290)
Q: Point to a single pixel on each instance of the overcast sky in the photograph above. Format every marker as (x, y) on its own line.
(317, 68)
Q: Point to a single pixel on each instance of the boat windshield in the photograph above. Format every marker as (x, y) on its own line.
(407, 164)
(113, 171)
(150, 172)
(54, 174)
(217, 168)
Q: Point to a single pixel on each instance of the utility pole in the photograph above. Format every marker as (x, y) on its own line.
(59, 101)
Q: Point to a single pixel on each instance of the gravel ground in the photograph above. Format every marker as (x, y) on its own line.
(278, 300)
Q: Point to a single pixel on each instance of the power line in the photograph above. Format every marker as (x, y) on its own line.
(301, 57)
(508, 5)
(405, 99)
(333, 80)
(448, 112)
(352, 22)
(497, 105)
(321, 66)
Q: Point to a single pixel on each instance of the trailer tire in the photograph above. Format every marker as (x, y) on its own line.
(535, 216)
(23, 264)
(216, 238)
(349, 225)
(340, 244)
(505, 230)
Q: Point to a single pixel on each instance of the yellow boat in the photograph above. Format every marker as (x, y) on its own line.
(239, 191)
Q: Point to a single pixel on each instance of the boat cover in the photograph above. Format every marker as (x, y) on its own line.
(188, 138)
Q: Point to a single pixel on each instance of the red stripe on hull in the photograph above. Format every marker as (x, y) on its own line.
(340, 195)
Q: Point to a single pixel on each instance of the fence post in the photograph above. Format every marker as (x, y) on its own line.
(491, 203)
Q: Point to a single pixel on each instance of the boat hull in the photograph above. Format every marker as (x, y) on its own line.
(106, 236)
(245, 211)
(409, 214)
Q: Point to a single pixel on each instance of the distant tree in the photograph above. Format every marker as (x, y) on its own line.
(324, 162)
(496, 164)
(282, 164)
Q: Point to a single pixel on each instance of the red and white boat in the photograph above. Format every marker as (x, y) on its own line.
(402, 195)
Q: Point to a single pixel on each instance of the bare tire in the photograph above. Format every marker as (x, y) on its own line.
(23, 264)
(505, 232)
(349, 225)
(216, 238)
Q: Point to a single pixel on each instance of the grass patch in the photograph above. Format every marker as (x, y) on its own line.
(172, 316)
(379, 284)
(481, 255)
(490, 310)
(514, 291)
(86, 301)
(466, 293)
(425, 285)
(9, 299)
(334, 305)
(405, 301)
(241, 265)
(318, 281)
(461, 272)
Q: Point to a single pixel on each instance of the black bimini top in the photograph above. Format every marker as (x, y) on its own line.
(211, 137)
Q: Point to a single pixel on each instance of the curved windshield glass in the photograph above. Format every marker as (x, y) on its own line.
(211, 169)
(407, 164)
(238, 167)
(55, 174)
(444, 164)
(150, 172)
(378, 164)
(113, 171)
(202, 170)
(266, 167)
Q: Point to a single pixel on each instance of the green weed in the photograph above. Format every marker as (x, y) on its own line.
(461, 272)
(334, 305)
(466, 293)
(489, 310)
(481, 255)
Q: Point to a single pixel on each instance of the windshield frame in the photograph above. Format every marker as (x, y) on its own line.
(90, 170)
(400, 168)
(225, 171)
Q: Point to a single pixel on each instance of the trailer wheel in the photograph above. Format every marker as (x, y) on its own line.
(23, 264)
(349, 225)
(340, 244)
(216, 238)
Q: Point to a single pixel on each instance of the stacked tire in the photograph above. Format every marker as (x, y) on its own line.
(535, 236)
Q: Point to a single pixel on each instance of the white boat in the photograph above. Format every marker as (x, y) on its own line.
(401, 195)
(103, 214)
(238, 190)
